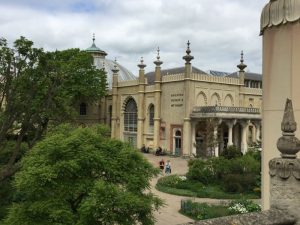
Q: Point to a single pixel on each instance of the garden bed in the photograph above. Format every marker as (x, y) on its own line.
(201, 211)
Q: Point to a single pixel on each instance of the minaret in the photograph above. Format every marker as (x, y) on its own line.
(115, 71)
(280, 30)
(242, 66)
(187, 137)
(141, 104)
(157, 97)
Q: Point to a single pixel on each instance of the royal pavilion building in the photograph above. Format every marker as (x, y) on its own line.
(184, 110)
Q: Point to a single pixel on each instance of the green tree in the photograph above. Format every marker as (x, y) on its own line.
(80, 176)
(39, 88)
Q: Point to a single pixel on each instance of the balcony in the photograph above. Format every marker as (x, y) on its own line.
(225, 112)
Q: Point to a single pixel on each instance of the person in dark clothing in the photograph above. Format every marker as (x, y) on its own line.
(158, 151)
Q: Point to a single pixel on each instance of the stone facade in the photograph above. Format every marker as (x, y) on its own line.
(171, 108)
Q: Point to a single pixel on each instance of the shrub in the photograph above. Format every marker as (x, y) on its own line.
(231, 152)
(238, 183)
(243, 206)
(201, 170)
(201, 211)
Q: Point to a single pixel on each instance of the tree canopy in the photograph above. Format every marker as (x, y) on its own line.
(37, 87)
(79, 176)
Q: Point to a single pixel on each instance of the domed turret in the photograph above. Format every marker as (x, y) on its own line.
(108, 65)
(278, 12)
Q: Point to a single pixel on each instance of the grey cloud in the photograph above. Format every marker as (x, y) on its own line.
(129, 29)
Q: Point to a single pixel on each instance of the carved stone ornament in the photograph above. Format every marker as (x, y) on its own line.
(285, 168)
(288, 144)
(278, 12)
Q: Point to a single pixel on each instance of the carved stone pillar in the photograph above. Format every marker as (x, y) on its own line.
(157, 97)
(285, 171)
(217, 143)
(230, 130)
(114, 102)
(141, 102)
(244, 145)
(257, 129)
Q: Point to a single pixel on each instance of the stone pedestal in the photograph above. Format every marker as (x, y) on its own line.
(285, 185)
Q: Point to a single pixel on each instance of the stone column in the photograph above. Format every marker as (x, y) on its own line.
(216, 153)
(193, 138)
(141, 105)
(285, 171)
(230, 130)
(187, 145)
(114, 102)
(280, 30)
(257, 129)
(157, 96)
(244, 145)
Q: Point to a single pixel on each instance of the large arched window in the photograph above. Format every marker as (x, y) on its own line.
(151, 115)
(82, 109)
(130, 116)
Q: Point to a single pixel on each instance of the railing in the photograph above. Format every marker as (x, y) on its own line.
(225, 109)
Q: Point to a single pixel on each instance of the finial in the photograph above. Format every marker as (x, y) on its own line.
(115, 70)
(158, 62)
(93, 37)
(242, 66)
(288, 144)
(188, 58)
(142, 65)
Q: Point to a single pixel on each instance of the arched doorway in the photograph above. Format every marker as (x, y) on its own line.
(177, 141)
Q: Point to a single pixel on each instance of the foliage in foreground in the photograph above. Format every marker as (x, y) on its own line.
(201, 211)
(79, 176)
(37, 87)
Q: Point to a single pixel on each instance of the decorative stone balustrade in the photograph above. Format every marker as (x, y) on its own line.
(173, 77)
(150, 88)
(251, 91)
(215, 79)
(225, 109)
(128, 83)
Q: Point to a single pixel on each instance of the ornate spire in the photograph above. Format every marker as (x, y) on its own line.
(158, 62)
(93, 38)
(288, 144)
(142, 65)
(188, 58)
(242, 66)
(115, 70)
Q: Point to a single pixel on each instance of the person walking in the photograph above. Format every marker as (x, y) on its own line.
(168, 167)
(162, 164)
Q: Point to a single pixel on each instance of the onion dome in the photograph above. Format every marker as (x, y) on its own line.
(278, 12)
(109, 65)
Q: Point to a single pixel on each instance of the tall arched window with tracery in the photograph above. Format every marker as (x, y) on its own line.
(130, 116)
(151, 117)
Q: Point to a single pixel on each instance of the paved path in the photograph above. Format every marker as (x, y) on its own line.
(169, 215)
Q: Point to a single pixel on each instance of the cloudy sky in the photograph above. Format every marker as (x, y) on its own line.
(128, 29)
